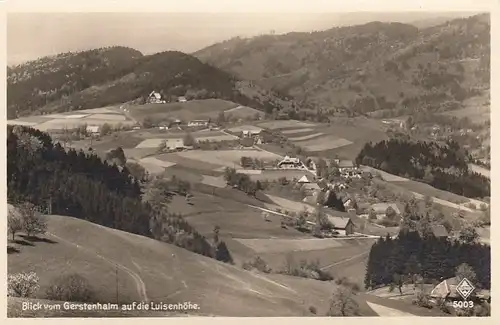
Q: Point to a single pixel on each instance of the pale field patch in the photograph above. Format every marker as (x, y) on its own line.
(242, 128)
(150, 143)
(249, 171)
(273, 245)
(111, 117)
(102, 110)
(216, 138)
(283, 124)
(306, 137)
(21, 123)
(158, 162)
(388, 312)
(326, 144)
(227, 158)
(293, 131)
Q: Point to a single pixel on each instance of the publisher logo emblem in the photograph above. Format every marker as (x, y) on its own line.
(465, 288)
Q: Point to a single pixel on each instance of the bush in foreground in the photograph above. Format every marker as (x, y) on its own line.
(22, 285)
(71, 287)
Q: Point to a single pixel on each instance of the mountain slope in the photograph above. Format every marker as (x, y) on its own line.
(149, 270)
(367, 67)
(116, 75)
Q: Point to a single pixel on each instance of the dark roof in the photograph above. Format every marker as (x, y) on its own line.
(439, 231)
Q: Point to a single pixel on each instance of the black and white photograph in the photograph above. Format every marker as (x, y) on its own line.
(248, 164)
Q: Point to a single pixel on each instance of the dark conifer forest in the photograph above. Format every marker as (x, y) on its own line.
(442, 166)
(81, 185)
(432, 258)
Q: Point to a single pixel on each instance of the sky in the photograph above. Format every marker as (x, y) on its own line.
(33, 35)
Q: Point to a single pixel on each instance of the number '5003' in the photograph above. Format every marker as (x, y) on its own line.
(463, 304)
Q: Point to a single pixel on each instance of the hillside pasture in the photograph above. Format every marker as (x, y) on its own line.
(175, 157)
(154, 271)
(322, 143)
(272, 175)
(226, 158)
(241, 128)
(284, 124)
(305, 137)
(191, 110)
(289, 205)
(150, 143)
(243, 112)
(279, 245)
(295, 131)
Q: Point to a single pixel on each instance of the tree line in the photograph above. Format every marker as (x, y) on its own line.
(83, 186)
(442, 166)
(411, 255)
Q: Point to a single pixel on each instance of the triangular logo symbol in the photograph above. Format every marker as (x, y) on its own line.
(465, 288)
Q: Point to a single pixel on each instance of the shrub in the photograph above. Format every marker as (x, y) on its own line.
(71, 287)
(313, 310)
(258, 263)
(422, 300)
(22, 284)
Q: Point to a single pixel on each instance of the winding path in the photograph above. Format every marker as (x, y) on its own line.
(141, 287)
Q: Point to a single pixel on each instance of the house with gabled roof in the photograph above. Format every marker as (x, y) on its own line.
(155, 98)
(343, 225)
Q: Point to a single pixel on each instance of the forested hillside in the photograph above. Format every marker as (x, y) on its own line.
(442, 166)
(115, 75)
(361, 69)
(81, 185)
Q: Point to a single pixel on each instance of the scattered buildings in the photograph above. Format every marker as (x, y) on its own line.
(291, 163)
(93, 129)
(155, 98)
(197, 123)
(447, 290)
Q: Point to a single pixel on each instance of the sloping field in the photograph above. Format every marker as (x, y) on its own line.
(149, 270)
(138, 153)
(276, 245)
(306, 137)
(242, 128)
(176, 158)
(227, 158)
(243, 112)
(324, 143)
(21, 123)
(295, 131)
(276, 174)
(284, 124)
(110, 117)
(216, 138)
(195, 109)
(150, 143)
(32, 119)
(102, 110)
(72, 115)
(385, 176)
(156, 161)
(290, 205)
